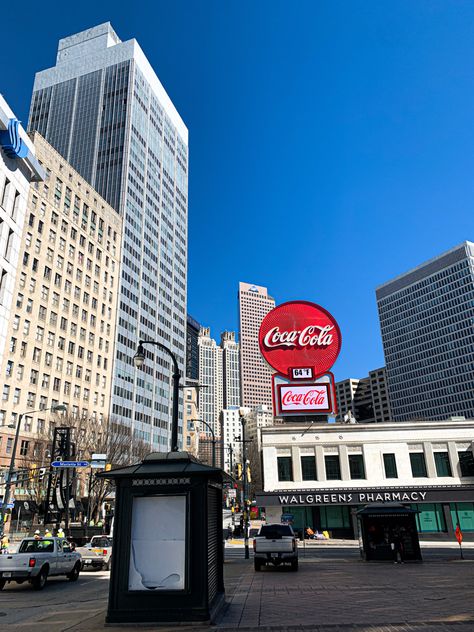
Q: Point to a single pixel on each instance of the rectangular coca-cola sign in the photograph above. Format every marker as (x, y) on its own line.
(304, 398)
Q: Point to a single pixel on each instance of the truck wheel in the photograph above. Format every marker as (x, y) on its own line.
(73, 576)
(39, 582)
(257, 565)
(294, 565)
(2, 584)
(106, 566)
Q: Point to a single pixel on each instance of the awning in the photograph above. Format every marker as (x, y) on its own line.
(386, 509)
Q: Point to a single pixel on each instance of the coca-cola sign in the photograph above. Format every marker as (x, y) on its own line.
(304, 398)
(300, 334)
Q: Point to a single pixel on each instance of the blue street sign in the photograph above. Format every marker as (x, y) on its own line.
(9, 505)
(70, 464)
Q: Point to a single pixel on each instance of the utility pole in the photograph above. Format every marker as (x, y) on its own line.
(243, 412)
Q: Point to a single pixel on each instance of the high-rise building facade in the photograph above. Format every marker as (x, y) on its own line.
(230, 367)
(230, 420)
(61, 331)
(104, 109)
(219, 376)
(192, 350)
(426, 318)
(18, 168)
(255, 374)
(363, 400)
(211, 397)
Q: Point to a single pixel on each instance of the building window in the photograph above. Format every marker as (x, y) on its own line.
(443, 466)
(285, 468)
(24, 447)
(333, 467)
(356, 466)
(466, 462)
(308, 468)
(418, 465)
(390, 465)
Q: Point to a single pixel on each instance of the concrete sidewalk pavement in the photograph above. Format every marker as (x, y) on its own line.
(325, 595)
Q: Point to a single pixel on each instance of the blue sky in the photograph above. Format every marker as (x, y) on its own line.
(331, 143)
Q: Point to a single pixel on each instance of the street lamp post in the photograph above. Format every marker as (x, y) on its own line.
(243, 412)
(139, 360)
(8, 481)
(213, 439)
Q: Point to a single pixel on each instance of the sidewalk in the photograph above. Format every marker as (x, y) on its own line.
(239, 542)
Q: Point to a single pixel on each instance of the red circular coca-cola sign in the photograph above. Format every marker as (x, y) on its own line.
(300, 334)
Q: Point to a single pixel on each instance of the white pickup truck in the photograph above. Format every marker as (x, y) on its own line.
(97, 554)
(275, 544)
(36, 560)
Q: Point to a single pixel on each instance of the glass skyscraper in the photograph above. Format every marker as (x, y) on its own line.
(104, 109)
(427, 322)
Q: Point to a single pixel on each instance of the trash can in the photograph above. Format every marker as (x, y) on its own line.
(168, 553)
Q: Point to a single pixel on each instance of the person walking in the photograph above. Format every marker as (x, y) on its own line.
(397, 547)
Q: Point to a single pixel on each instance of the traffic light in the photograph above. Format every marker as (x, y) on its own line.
(239, 471)
(108, 467)
(249, 478)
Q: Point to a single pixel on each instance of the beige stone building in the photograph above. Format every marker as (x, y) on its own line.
(255, 374)
(60, 337)
(190, 415)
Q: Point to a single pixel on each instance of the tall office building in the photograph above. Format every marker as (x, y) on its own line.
(18, 168)
(219, 374)
(192, 350)
(426, 318)
(104, 109)
(364, 400)
(230, 367)
(255, 374)
(211, 398)
(60, 334)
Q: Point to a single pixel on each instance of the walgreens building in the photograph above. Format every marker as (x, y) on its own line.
(319, 475)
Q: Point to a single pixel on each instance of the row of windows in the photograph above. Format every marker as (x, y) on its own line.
(357, 468)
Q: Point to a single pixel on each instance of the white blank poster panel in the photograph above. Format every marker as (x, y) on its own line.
(157, 558)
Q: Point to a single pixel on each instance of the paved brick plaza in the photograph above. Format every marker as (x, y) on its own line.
(332, 592)
(341, 595)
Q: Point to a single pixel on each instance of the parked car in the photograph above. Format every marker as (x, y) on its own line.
(101, 545)
(275, 544)
(38, 559)
(91, 559)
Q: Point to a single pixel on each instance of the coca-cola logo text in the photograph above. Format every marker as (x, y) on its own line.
(299, 334)
(310, 398)
(311, 336)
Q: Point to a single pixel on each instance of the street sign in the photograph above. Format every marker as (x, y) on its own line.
(70, 464)
(9, 505)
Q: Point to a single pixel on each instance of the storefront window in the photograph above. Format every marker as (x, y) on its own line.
(463, 513)
(356, 466)
(466, 461)
(443, 466)
(390, 465)
(333, 467)
(285, 469)
(308, 468)
(430, 518)
(335, 517)
(418, 464)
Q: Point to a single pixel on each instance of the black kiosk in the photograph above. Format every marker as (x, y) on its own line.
(388, 529)
(167, 563)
